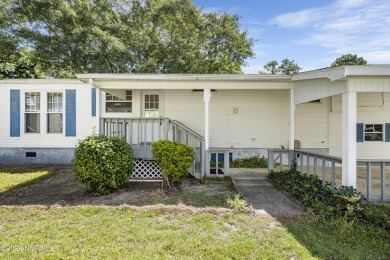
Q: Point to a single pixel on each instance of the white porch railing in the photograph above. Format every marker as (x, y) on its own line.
(140, 133)
(369, 164)
(315, 163)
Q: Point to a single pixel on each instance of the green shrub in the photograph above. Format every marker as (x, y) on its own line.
(103, 163)
(175, 159)
(251, 162)
(376, 214)
(342, 202)
(311, 193)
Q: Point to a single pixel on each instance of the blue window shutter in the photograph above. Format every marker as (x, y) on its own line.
(387, 133)
(70, 112)
(359, 132)
(15, 112)
(93, 94)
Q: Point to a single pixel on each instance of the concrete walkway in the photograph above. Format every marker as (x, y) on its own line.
(253, 186)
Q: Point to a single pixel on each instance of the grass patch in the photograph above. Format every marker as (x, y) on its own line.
(180, 233)
(341, 238)
(195, 200)
(13, 178)
(93, 232)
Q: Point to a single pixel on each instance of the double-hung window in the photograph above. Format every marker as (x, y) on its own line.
(32, 112)
(119, 104)
(54, 112)
(373, 132)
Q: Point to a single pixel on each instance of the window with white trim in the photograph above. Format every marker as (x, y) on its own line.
(54, 112)
(373, 132)
(121, 104)
(152, 104)
(32, 112)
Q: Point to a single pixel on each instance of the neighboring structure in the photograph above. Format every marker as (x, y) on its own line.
(342, 111)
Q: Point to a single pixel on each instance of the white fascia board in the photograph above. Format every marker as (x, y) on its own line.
(369, 70)
(333, 74)
(41, 81)
(339, 73)
(185, 77)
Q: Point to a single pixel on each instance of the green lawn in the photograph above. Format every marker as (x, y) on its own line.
(175, 231)
(342, 239)
(166, 232)
(196, 200)
(15, 178)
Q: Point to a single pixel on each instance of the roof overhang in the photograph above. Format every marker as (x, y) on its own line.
(187, 81)
(341, 73)
(41, 81)
(184, 77)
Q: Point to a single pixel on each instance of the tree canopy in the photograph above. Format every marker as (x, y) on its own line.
(286, 67)
(349, 59)
(15, 57)
(59, 38)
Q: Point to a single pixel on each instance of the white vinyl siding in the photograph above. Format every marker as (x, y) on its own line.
(309, 90)
(238, 118)
(311, 124)
(369, 84)
(85, 122)
(371, 109)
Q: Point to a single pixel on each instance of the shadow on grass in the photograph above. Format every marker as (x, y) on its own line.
(339, 238)
(62, 189)
(11, 178)
(195, 200)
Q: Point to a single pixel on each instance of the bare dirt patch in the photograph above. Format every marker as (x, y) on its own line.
(62, 189)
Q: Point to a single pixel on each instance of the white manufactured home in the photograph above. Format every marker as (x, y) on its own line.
(342, 112)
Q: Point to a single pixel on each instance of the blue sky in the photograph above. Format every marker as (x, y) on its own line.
(311, 32)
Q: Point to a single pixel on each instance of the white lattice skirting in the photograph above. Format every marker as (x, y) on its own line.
(146, 169)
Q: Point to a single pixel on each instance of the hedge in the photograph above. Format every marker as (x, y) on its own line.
(342, 202)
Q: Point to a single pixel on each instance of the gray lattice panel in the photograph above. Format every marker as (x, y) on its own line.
(146, 169)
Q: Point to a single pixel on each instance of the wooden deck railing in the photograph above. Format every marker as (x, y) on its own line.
(308, 162)
(140, 133)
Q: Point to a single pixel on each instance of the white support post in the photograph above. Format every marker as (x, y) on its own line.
(98, 110)
(292, 119)
(349, 139)
(206, 99)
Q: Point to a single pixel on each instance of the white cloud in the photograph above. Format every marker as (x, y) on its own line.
(302, 18)
(377, 57)
(345, 26)
(351, 3)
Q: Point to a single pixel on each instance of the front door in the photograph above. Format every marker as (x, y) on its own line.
(151, 104)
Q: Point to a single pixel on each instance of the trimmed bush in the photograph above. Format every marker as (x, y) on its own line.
(103, 163)
(175, 159)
